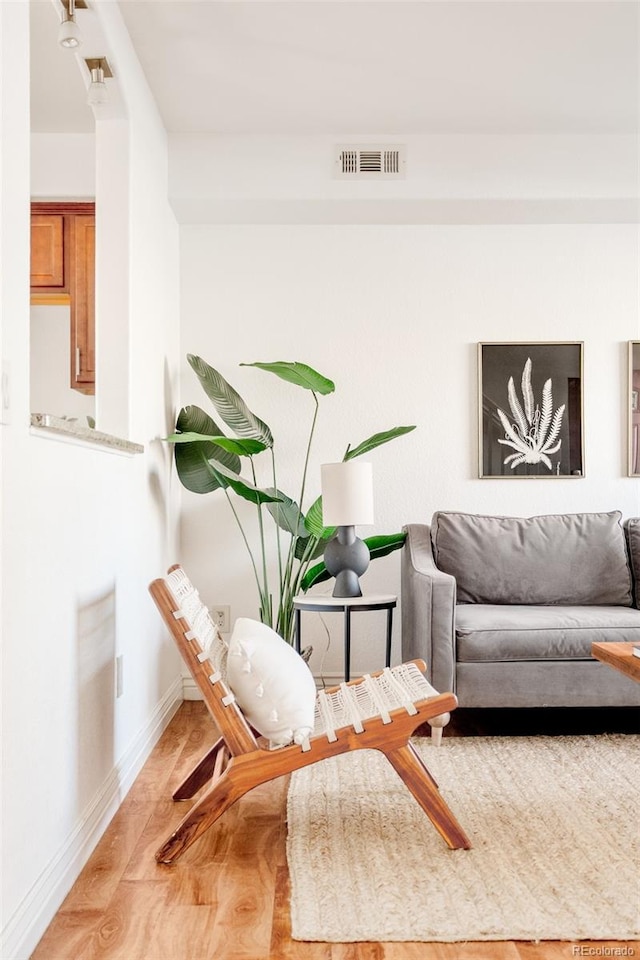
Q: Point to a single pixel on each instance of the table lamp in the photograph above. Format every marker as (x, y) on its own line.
(347, 500)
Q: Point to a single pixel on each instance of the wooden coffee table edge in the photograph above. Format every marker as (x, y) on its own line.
(620, 656)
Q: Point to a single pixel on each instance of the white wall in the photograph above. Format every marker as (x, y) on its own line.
(386, 287)
(460, 178)
(84, 531)
(50, 363)
(393, 314)
(444, 166)
(63, 166)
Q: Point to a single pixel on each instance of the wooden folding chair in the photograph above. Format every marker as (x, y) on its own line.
(379, 711)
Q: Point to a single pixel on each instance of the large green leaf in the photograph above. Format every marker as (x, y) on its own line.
(298, 373)
(384, 543)
(376, 441)
(244, 489)
(240, 447)
(314, 524)
(229, 403)
(311, 548)
(379, 546)
(286, 514)
(188, 437)
(243, 447)
(191, 458)
(315, 574)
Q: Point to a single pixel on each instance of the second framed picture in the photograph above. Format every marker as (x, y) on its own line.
(530, 409)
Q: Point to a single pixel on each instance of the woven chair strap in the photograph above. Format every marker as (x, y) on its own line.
(351, 704)
(201, 627)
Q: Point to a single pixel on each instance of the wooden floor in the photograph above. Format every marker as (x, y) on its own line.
(227, 898)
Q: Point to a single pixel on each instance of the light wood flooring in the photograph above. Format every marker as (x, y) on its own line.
(227, 898)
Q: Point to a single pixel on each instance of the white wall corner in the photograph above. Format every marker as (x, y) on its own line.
(29, 921)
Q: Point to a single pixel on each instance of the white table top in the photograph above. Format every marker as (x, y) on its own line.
(381, 599)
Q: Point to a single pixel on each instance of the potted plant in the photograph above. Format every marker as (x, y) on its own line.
(208, 460)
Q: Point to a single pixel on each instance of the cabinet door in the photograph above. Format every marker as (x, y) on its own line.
(82, 240)
(47, 251)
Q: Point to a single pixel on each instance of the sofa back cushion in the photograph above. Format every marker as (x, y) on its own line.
(574, 559)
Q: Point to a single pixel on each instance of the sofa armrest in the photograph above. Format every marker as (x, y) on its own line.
(428, 609)
(632, 534)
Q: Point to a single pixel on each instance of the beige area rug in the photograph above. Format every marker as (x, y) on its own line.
(554, 827)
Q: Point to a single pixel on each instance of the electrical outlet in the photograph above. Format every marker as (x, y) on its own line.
(221, 616)
(119, 675)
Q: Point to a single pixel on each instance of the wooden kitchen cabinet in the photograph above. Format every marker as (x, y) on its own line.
(82, 240)
(47, 250)
(63, 271)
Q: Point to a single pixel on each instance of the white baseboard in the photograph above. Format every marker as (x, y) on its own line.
(190, 689)
(29, 921)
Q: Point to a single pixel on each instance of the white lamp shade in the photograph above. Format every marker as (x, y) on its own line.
(347, 493)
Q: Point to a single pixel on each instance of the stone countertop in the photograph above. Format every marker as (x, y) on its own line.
(72, 430)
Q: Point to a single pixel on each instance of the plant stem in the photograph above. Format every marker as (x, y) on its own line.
(292, 545)
(265, 592)
(246, 543)
(286, 619)
(306, 560)
(306, 459)
(278, 543)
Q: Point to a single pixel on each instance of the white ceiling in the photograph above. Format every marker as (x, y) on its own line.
(383, 67)
(59, 78)
(58, 94)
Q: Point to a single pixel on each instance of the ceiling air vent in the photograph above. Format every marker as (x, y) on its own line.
(369, 162)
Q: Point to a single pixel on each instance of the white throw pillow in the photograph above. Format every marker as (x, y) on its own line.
(271, 682)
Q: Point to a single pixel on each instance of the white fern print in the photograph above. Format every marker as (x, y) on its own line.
(535, 429)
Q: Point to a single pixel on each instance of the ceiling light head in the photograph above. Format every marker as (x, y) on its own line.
(99, 70)
(97, 92)
(69, 36)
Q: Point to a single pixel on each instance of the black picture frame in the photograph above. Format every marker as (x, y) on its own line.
(531, 410)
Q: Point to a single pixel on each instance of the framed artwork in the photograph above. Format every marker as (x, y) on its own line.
(530, 410)
(633, 407)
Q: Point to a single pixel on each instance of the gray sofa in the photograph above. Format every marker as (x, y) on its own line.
(504, 609)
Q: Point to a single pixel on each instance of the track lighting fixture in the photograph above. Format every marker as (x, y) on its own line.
(69, 36)
(99, 70)
(97, 92)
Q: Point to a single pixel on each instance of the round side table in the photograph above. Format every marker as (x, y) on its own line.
(346, 606)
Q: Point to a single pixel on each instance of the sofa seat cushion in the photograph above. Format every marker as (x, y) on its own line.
(572, 558)
(492, 632)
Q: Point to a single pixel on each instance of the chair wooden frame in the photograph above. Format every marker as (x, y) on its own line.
(238, 761)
